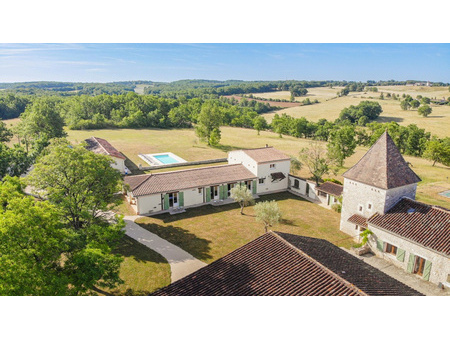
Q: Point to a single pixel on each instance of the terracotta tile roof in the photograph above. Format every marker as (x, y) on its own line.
(101, 146)
(266, 154)
(365, 277)
(273, 266)
(424, 224)
(331, 188)
(186, 179)
(359, 220)
(383, 166)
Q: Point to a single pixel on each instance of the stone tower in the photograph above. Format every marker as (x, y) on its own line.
(375, 184)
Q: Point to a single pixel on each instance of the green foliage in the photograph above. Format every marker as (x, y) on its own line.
(438, 151)
(42, 255)
(5, 133)
(425, 110)
(80, 182)
(13, 161)
(260, 123)
(405, 105)
(296, 165)
(342, 144)
(268, 212)
(414, 104)
(425, 100)
(368, 109)
(242, 195)
(365, 236)
(11, 106)
(208, 121)
(316, 160)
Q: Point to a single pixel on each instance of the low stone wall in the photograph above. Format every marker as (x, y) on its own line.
(184, 164)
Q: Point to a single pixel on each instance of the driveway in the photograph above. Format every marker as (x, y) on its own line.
(181, 262)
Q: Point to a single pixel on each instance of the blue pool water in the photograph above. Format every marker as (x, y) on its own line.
(166, 159)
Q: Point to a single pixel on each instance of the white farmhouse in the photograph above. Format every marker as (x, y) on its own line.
(379, 195)
(262, 170)
(101, 146)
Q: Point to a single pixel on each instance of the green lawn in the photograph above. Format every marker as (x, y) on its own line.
(143, 270)
(210, 232)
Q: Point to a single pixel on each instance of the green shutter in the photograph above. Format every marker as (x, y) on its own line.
(410, 263)
(166, 201)
(328, 202)
(222, 192)
(427, 270)
(208, 194)
(181, 199)
(254, 187)
(380, 245)
(400, 255)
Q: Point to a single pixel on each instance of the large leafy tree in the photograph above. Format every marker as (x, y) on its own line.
(342, 144)
(208, 123)
(316, 160)
(13, 161)
(80, 182)
(42, 255)
(424, 110)
(242, 195)
(438, 151)
(5, 133)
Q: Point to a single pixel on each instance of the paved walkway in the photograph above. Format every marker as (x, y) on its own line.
(181, 262)
(425, 287)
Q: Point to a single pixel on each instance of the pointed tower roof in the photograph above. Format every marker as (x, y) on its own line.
(383, 166)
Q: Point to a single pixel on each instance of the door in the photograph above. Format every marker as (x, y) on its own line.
(215, 192)
(230, 186)
(173, 200)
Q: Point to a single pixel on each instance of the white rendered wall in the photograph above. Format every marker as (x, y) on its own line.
(264, 171)
(192, 197)
(148, 204)
(440, 267)
(118, 164)
(239, 157)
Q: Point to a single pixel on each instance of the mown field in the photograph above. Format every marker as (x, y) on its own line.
(184, 143)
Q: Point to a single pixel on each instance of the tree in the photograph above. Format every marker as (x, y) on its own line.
(259, 123)
(342, 144)
(316, 160)
(268, 212)
(405, 105)
(425, 110)
(209, 119)
(80, 182)
(40, 255)
(425, 100)
(242, 195)
(414, 104)
(438, 151)
(5, 133)
(296, 165)
(13, 161)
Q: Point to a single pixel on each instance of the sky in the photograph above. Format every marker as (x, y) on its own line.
(93, 62)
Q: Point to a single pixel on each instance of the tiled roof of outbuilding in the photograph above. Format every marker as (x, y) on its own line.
(358, 219)
(427, 225)
(383, 166)
(266, 154)
(101, 146)
(331, 188)
(186, 179)
(277, 264)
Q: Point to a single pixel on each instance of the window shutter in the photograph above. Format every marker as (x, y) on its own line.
(410, 263)
(427, 270)
(401, 255)
(208, 194)
(181, 199)
(254, 187)
(221, 192)
(380, 245)
(166, 201)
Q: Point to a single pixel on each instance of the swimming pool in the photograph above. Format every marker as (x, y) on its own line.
(161, 159)
(166, 159)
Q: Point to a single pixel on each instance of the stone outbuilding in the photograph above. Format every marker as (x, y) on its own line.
(379, 195)
(101, 146)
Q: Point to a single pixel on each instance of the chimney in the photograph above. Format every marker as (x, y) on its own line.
(267, 146)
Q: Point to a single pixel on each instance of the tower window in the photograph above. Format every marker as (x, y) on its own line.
(369, 206)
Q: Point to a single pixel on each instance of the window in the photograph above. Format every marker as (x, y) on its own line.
(249, 185)
(200, 190)
(391, 249)
(296, 184)
(261, 180)
(307, 188)
(335, 199)
(419, 265)
(360, 208)
(369, 206)
(272, 166)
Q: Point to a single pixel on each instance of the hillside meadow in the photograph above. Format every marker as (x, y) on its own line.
(184, 143)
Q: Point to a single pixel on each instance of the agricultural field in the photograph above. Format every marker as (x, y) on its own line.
(438, 123)
(184, 143)
(320, 93)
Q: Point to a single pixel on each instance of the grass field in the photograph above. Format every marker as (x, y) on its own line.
(438, 123)
(210, 232)
(185, 144)
(320, 93)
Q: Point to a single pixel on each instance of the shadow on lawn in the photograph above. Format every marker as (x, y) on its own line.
(132, 166)
(197, 247)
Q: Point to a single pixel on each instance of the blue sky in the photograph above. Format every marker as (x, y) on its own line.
(170, 62)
